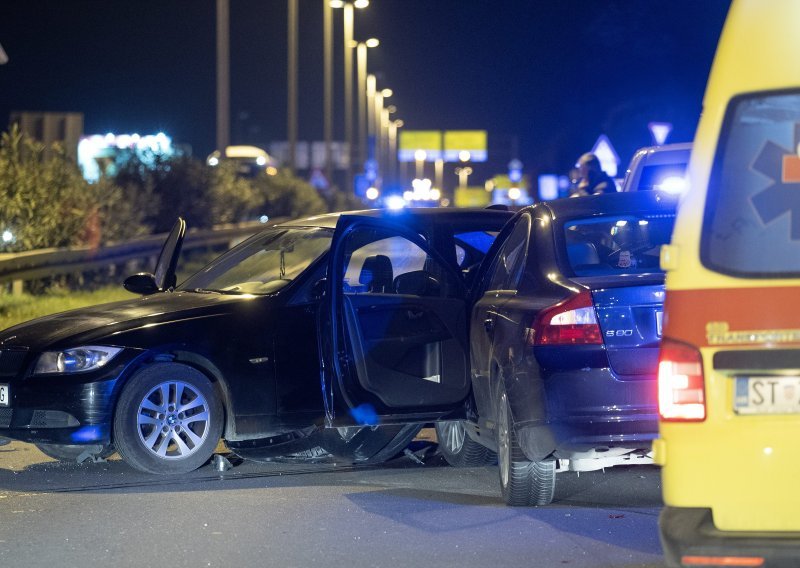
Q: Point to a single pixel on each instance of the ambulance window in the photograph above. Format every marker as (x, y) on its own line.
(751, 226)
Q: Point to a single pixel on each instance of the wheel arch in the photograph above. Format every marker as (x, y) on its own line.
(191, 359)
(527, 403)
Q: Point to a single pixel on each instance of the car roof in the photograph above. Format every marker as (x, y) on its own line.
(415, 216)
(610, 203)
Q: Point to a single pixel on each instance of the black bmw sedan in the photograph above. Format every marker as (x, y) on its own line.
(343, 332)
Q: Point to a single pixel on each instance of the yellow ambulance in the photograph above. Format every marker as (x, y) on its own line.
(729, 372)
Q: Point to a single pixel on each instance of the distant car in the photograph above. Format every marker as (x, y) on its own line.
(661, 168)
(250, 160)
(370, 303)
(564, 336)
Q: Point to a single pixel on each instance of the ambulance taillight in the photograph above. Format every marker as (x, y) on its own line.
(681, 386)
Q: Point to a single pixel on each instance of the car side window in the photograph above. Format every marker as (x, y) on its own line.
(380, 263)
(509, 264)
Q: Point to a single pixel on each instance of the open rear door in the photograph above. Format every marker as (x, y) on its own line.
(393, 329)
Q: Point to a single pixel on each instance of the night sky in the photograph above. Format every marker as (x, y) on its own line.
(545, 78)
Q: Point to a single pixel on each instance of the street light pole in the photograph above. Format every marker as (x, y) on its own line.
(361, 91)
(393, 126)
(463, 174)
(292, 84)
(348, 92)
(328, 86)
(223, 75)
(419, 157)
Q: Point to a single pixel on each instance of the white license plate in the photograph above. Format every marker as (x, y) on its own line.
(5, 395)
(767, 395)
(659, 322)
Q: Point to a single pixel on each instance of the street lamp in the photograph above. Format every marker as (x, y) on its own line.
(361, 72)
(463, 174)
(348, 78)
(393, 126)
(419, 157)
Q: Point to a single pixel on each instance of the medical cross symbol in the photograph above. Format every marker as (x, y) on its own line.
(783, 195)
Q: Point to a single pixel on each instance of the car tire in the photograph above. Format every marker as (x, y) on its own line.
(458, 449)
(522, 482)
(71, 452)
(168, 419)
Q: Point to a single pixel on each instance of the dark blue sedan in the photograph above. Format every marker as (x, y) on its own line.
(564, 337)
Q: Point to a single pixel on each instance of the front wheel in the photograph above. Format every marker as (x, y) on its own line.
(523, 482)
(168, 419)
(458, 449)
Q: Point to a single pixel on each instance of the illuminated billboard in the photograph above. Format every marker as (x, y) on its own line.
(414, 142)
(465, 146)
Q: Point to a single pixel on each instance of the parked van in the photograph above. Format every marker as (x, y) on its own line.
(729, 369)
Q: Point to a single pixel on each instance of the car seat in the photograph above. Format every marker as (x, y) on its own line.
(582, 254)
(377, 274)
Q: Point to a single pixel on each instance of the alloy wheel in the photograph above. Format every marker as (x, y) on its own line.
(173, 420)
(503, 445)
(453, 435)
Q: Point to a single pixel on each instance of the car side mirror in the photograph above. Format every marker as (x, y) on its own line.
(143, 283)
(318, 289)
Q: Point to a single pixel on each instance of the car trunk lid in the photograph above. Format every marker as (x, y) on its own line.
(629, 312)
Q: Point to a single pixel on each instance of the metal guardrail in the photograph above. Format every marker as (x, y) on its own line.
(44, 263)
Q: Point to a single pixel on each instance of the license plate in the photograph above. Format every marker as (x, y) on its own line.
(5, 395)
(767, 395)
(659, 322)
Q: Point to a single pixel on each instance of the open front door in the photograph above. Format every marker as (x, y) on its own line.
(163, 277)
(393, 330)
(167, 262)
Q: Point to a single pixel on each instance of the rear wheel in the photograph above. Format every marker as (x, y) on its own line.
(458, 449)
(168, 419)
(523, 482)
(71, 452)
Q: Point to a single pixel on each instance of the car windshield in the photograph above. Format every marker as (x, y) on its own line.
(264, 264)
(617, 244)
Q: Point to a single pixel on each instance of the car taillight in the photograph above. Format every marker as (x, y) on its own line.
(681, 396)
(571, 322)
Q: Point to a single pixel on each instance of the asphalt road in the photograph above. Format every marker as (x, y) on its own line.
(328, 515)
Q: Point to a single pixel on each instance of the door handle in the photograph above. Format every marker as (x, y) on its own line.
(488, 325)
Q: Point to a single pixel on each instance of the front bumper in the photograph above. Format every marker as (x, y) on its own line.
(59, 412)
(688, 535)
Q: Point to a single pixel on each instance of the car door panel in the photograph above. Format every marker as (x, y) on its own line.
(408, 351)
(397, 344)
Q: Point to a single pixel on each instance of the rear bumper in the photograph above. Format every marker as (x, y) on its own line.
(588, 408)
(688, 533)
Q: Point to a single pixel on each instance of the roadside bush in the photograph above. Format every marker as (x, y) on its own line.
(287, 196)
(233, 199)
(45, 200)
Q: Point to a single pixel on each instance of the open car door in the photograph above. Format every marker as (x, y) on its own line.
(393, 328)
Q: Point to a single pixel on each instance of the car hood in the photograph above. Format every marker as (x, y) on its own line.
(105, 320)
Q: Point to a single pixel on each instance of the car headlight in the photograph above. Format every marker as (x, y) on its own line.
(75, 360)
